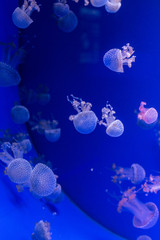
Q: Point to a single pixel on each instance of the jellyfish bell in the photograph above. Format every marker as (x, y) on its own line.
(144, 237)
(42, 231)
(21, 16)
(98, 3)
(138, 173)
(115, 58)
(53, 135)
(20, 114)
(19, 170)
(85, 121)
(112, 6)
(148, 115)
(8, 75)
(115, 129)
(68, 23)
(60, 9)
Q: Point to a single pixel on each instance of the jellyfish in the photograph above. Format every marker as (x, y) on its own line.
(42, 180)
(52, 135)
(12, 56)
(135, 173)
(56, 196)
(114, 128)
(20, 114)
(152, 184)
(148, 115)
(145, 214)
(19, 170)
(112, 6)
(21, 16)
(115, 58)
(144, 237)
(42, 231)
(85, 121)
(68, 23)
(60, 8)
(98, 3)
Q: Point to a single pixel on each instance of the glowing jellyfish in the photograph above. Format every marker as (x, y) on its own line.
(60, 9)
(144, 237)
(10, 60)
(19, 171)
(145, 215)
(68, 23)
(135, 173)
(53, 135)
(20, 114)
(114, 128)
(112, 6)
(21, 16)
(115, 58)
(148, 115)
(42, 181)
(98, 3)
(42, 231)
(85, 121)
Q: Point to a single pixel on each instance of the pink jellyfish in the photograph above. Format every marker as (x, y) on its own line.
(145, 215)
(144, 237)
(148, 115)
(42, 231)
(115, 58)
(152, 184)
(135, 173)
(21, 16)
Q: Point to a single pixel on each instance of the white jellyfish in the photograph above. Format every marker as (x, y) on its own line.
(42, 180)
(60, 8)
(42, 231)
(115, 58)
(21, 16)
(85, 121)
(19, 170)
(112, 6)
(10, 59)
(98, 3)
(20, 114)
(68, 23)
(114, 127)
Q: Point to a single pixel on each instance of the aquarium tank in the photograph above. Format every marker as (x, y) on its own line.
(79, 121)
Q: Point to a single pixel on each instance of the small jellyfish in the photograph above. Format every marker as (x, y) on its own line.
(98, 3)
(19, 171)
(152, 184)
(144, 237)
(20, 114)
(148, 115)
(60, 9)
(21, 16)
(145, 215)
(52, 135)
(85, 121)
(42, 180)
(42, 231)
(114, 128)
(12, 56)
(115, 58)
(68, 23)
(112, 6)
(135, 173)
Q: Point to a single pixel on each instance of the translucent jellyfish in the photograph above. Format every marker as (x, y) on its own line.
(12, 56)
(19, 171)
(60, 9)
(114, 128)
(112, 6)
(115, 58)
(85, 121)
(145, 215)
(43, 95)
(20, 114)
(98, 3)
(53, 135)
(135, 173)
(144, 237)
(42, 231)
(68, 23)
(21, 16)
(148, 115)
(42, 181)
(152, 184)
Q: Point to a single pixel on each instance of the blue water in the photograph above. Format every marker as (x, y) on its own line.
(55, 59)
